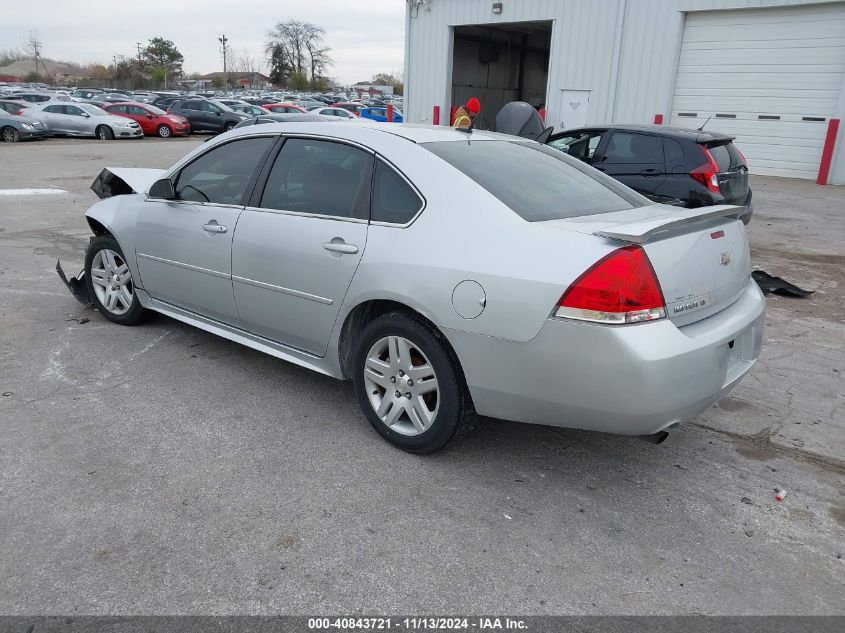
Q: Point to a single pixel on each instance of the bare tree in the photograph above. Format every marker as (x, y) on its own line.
(11, 55)
(295, 48)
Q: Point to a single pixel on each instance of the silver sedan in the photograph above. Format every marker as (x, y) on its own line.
(446, 273)
(82, 119)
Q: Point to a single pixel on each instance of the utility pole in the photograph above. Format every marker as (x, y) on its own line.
(138, 46)
(35, 45)
(223, 41)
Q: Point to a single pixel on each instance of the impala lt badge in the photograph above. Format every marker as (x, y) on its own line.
(725, 259)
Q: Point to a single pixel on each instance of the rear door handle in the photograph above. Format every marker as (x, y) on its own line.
(213, 227)
(341, 247)
(650, 173)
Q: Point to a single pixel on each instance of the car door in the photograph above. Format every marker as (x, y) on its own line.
(184, 246)
(192, 110)
(213, 116)
(298, 246)
(77, 120)
(143, 117)
(636, 159)
(55, 118)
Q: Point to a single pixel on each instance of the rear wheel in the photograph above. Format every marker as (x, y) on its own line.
(228, 126)
(11, 135)
(164, 131)
(409, 384)
(110, 283)
(104, 133)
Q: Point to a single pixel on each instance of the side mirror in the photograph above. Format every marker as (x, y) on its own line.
(163, 190)
(86, 115)
(151, 116)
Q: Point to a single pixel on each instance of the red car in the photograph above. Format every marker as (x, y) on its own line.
(153, 120)
(354, 108)
(278, 108)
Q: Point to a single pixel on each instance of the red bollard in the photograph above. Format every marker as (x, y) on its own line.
(658, 119)
(452, 115)
(390, 113)
(435, 116)
(827, 152)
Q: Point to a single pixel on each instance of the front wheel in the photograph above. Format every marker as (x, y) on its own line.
(11, 135)
(104, 133)
(110, 283)
(164, 131)
(228, 126)
(409, 383)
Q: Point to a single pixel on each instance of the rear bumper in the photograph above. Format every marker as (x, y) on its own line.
(630, 380)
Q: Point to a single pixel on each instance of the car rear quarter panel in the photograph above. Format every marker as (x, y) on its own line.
(465, 233)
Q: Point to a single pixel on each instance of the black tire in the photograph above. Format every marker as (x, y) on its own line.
(164, 131)
(455, 412)
(228, 126)
(104, 133)
(136, 313)
(11, 135)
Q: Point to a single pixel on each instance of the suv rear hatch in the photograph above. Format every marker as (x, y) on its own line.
(732, 171)
(700, 256)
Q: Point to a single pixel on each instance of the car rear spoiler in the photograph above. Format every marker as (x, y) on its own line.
(642, 231)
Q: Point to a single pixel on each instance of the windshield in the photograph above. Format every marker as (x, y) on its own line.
(92, 109)
(537, 182)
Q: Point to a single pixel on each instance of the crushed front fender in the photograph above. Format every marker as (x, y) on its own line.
(78, 286)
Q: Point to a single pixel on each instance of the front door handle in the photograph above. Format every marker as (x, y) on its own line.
(213, 227)
(341, 247)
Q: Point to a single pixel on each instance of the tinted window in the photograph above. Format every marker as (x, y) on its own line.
(393, 199)
(136, 110)
(222, 174)
(116, 109)
(537, 182)
(633, 148)
(673, 149)
(320, 177)
(726, 156)
(191, 105)
(73, 110)
(54, 109)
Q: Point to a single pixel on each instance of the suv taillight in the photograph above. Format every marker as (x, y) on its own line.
(707, 174)
(619, 288)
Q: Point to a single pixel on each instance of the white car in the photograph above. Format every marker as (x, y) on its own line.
(84, 119)
(334, 112)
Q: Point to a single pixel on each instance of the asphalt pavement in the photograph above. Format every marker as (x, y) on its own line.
(159, 469)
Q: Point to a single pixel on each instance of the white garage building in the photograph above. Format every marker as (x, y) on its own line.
(770, 72)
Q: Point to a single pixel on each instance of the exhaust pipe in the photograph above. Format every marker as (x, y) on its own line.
(656, 438)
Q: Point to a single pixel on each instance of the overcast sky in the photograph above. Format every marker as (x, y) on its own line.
(366, 36)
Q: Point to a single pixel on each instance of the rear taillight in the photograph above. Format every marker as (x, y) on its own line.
(707, 174)
(620, 288)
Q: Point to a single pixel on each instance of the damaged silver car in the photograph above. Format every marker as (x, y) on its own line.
(446, 273)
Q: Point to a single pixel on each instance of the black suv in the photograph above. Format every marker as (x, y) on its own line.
(688, 168)
(206, 115)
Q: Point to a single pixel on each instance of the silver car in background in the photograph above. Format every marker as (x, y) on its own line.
(83, 119)
(446, 273)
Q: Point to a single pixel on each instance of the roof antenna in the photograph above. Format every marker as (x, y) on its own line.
(705, 123)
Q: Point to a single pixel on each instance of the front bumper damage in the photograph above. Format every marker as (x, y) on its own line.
(78, 285)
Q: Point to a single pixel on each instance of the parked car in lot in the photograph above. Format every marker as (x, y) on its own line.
(84, 119)
(554, 294)
(14, 107)
(153, 120)
(680, 166)
(354, 108)
(263, 101)
(282, 118)
(14, 128)
(248, 109)
(109, 97)
(41, 97)
(287, 108)
(205, 115)
(339, 113)
(85, 94)
(379, 114)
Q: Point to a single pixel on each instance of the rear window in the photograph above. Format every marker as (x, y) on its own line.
(537, 182)
(726, 156)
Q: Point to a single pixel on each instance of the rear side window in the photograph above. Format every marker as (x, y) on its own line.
(633, 148)
(674, 150)
(536, 182)
(320, 177)
(394, 200)
(222, 174)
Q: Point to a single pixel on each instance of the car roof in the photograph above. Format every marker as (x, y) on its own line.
(133, 103)
(664, 130)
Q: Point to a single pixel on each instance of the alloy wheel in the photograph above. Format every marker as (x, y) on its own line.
(112, 281)
(401, 385)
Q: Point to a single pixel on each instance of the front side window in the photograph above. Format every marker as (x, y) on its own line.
(633, 148)
(537, 182)
(394, 200)
(322, 177)
(222, 175)
(581, 145)
(73, 110)
(191, 105)
(54, 109)
(136, 110)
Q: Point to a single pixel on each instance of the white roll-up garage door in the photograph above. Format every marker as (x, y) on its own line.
(771, 77)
